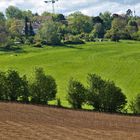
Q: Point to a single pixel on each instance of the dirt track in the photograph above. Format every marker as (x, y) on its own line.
(27, 122)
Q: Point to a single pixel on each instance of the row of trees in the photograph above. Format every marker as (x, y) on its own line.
(14, 87)
(102, 95)
(26, 27)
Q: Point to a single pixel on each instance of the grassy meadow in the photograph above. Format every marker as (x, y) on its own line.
(119, 62)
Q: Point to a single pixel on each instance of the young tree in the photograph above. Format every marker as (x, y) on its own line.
(44, 88)
(50, 33)
(98, 30)
(76, 94)
(14, 85)
(104, 95)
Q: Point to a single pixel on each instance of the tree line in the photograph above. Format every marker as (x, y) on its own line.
(102, 95)
(26, 27)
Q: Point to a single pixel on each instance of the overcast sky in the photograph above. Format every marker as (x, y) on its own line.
(89, 7)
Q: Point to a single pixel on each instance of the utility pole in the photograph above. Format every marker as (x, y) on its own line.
(53, 2)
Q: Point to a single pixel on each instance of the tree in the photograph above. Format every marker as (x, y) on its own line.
(98, 30)
(132, 27)
(107, 19)
(79, 23)
(4, 35)
(2, 17)
(118, 30)
(3, 87)
(129, 13)
(76, 94)
(24, 90)
(14, 84)
(49, 33)
(44, 88)
(135, 105)
(104, 95)
(26, 28)
(15, 28)
(13, 12)
(59, 17)
(28, 14)
(97, 20)
(31, 30)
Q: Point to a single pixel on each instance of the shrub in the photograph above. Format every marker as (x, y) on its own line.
(87, 37)
(115, 38)
(104, 95)
(24, 92)
(17, 86)
(59, 103)
(3, 87)
(76, 94)
(135, 105)
(37, 45)
(136, 36)
(49, 32)
(73, 40)
(44, 88)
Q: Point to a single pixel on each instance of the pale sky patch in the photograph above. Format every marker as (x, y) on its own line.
(89, 7)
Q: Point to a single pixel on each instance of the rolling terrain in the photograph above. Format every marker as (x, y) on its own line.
(119, 62)
(29, 122)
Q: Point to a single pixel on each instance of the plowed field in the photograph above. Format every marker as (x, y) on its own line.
(29, 122)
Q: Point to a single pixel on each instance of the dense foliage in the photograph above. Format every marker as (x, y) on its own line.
(135, 105)
(76, 94)
(104, 95)
(14, 87)
(27, 28)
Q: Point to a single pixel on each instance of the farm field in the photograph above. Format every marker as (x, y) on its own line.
(119, 62)
(18, 121)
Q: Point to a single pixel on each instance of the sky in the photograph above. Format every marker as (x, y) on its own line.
(88, 7)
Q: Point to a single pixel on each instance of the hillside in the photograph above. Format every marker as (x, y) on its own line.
(24, 122)
(119, 62)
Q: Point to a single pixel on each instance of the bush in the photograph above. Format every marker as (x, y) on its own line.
(17, 86)
(135, 105)
(73, 40)
(49, 32)
(87, 37)
(44, 88)
(136, 36)
(24, 92)
(59, 103)
(104, 95)
(37, 45)
(76, 94)
(3, 87)
(115, 38)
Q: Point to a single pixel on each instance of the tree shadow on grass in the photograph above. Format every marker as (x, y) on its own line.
(16, 49)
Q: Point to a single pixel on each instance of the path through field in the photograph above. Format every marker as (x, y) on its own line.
(28, 122)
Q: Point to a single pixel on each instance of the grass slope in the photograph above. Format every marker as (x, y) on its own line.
(119, 62)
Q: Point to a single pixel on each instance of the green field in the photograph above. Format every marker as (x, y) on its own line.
(119, 62)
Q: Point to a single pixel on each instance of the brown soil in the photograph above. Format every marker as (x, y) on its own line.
(29, 122)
